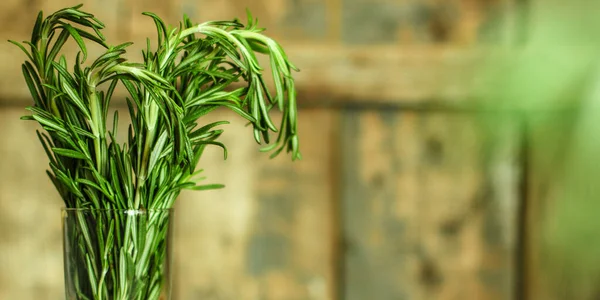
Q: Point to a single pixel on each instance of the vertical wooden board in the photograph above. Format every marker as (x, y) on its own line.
(212, 227)
(429, 202)
(269, 234)
(30, 233)
(380, 228)
(469, 176)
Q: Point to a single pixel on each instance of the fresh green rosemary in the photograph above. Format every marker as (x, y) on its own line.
(189, 73)
(184, 78)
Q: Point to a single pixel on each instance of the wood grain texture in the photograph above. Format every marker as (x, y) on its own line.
(428, 206)
(270, 233)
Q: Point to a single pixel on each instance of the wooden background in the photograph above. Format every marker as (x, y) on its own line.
(402, 192)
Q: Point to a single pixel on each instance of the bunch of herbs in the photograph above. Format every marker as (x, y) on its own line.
(192, 70)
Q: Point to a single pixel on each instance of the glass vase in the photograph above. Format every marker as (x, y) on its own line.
(117, 254)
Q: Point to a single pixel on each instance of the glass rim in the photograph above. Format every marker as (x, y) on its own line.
(124, 210)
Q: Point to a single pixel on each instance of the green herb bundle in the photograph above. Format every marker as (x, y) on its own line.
(190, 72)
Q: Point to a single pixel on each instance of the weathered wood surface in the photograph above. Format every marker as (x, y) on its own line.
(270, 234)
(429, 206)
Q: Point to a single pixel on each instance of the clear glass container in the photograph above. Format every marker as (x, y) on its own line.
(117, 254)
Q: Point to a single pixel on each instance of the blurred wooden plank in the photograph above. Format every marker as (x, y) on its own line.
(270, 234)
(429, 206)
(334, 71)
(334, 76)
(416, 75)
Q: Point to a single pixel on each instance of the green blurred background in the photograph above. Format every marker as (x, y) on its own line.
(449, 153)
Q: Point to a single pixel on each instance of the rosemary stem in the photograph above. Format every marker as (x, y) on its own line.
(96, 125)
(141, 178)
(42, 72)
(150, 110)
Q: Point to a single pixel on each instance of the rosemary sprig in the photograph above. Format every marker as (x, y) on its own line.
(186, 76)
(192, 70)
